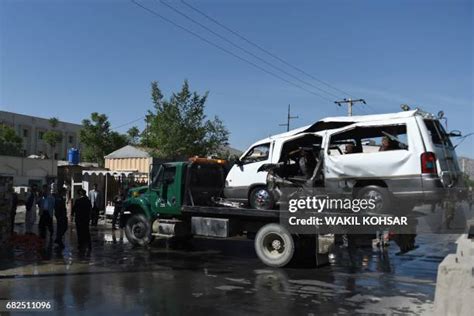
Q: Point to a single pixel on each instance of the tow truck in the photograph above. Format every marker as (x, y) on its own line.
(184, 199)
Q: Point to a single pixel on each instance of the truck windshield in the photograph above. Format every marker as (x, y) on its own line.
(156, 175)
(162, 174)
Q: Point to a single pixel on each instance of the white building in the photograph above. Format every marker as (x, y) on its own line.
(31, 129)
(27, 171)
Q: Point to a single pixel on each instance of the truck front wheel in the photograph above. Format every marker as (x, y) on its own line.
(274, 245)
(138, 230)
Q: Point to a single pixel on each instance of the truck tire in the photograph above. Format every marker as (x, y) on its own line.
(261, 198)
(138, 230)
(383, 201)
(274, 245)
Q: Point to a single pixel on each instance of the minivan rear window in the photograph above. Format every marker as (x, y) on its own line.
(437, 133)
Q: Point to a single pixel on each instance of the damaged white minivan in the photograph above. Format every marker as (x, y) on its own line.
(402, 159)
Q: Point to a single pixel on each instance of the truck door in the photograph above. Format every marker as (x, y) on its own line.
(166, 186)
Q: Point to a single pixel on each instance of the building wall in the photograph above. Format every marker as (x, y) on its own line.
(128, 164)
(25, 170)
(31, 128)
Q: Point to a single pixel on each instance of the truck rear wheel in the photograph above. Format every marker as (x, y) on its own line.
(274, 245)
(138, 230)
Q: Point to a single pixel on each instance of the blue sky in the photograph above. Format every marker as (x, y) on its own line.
(70, 58)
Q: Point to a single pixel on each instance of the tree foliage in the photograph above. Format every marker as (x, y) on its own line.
(10, 142)
(133, 136)
(53, 137)
(98, 139)
(179, 128)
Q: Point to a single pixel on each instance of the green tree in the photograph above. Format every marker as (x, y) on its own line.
(133, 135)
(10, 142)
(179, 128)
(53, 137)
(98, 139)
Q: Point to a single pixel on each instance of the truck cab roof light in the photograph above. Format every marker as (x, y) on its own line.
(206, 160)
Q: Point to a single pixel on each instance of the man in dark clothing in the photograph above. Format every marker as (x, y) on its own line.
(13, 206)
(82, 213)
(61, 217)
(46, 205)
(118, 202)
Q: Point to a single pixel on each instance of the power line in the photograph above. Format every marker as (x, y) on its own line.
(226, 50)
(128, 123)
(245, 50)
(263, 49)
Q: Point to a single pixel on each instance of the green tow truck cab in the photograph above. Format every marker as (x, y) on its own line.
(180, 202)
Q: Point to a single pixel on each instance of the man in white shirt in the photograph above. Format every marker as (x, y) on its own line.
(96, 202)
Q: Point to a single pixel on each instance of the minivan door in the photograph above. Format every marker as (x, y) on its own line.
(245, 172)
(448, 167)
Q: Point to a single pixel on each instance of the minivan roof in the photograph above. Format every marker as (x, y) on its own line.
(341, 121)
(372, 117)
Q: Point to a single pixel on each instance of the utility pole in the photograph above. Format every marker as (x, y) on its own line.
(350, 103)
(288, 119)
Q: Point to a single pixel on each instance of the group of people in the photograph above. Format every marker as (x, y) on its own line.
(50, 202)
(387, 144)
(47, 203)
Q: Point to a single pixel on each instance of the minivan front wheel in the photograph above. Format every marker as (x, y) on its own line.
(261, 198)
(378, 196)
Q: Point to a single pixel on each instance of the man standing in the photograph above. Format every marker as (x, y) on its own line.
(30, 205)
(82, 212)
(61, 217)
(13, 206)
(118, 202)
(96, 202)
(46, 205)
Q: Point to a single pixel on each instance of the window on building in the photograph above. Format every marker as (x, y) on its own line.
(71, 139)
(40, 135)
(55, 156)
(25, 133)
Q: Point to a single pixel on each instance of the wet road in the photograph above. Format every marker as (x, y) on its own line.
(223, 277)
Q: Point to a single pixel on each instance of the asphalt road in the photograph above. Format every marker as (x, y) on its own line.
(222, 277)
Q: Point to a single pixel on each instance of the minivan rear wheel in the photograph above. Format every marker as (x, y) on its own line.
(380, 196)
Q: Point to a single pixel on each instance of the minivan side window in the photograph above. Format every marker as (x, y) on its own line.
(437, 133)
(369, 139)
(257, 153)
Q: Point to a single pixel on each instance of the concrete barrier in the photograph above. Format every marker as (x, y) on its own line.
(455, 282)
